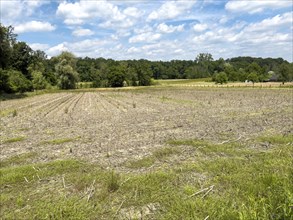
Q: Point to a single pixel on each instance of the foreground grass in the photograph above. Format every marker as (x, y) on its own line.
(224, 181)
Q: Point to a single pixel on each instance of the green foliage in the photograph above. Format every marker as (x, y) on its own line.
(221, 78)
(4, 81)
(17, 82)
(39, 81)
(253, 77)
(67, 76)
(7, 40)
(22, 58)
(116, 76)
(285, 72)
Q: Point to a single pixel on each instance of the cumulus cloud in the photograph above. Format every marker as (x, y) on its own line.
(34, 26)
(82, 32)
(256, 6)
(56, 50)
(278, 21)
(171, 9)
(38, 46)
(145, 37)
(13, 9)
(88, 47)
(200, 27)
(133, 12)
(163, 28)
(268, 37)
(109, 15)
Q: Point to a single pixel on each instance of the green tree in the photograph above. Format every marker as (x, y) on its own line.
(285, 73)
(221, 78)
(7, 40)
(204, 62)
(253, 77)
(4, 81)
(231, 73)
(39, 81)
(18, 82)
(22, 57)
(116, 76)
(65, 71)
(144, 73)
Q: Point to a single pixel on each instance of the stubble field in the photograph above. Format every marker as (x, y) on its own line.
(150, 153)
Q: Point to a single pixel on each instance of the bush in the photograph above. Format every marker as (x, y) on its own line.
(39, 81)
(116, 77)
(253, 77)
(4, 84)
(221, 78)
(17, 82)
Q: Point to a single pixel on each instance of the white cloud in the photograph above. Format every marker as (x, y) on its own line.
(143, 29)
(83, 11)
(145, 37)
(266, 38)
(200, 27)
(91, 48)
(163, 28)
(256, 6)
(14, 9)
(82, 32)
(38, 46)
(133, 12)
(171, 9)
(132, 50)
(34, 26)
(56, 50)
(278, 21)
(10, 9)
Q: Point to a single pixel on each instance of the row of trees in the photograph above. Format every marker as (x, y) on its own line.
(23, 69)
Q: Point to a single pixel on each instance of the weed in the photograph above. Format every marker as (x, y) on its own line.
(113, 182)
(141, 163)
(66, 110)
(16, 139)
(164, 152)
(14, 113)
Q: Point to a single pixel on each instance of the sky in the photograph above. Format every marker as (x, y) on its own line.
(153, 30)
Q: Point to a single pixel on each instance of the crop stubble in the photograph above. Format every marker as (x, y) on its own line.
(112, 127)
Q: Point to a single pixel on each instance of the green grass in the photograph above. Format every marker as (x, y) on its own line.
(18, 159)
(141, 163)
(60, 141)
(15, 139)
(277, 139)
(247, 184)
(148, 161)
(180, 81)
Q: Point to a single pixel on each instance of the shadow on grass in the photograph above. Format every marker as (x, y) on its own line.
(6, 96)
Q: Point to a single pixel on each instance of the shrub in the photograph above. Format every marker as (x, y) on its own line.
(221, 78)
(17, 82)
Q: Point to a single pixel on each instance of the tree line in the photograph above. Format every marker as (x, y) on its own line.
(24, 69)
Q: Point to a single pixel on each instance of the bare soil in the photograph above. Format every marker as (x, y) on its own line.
(112, 127)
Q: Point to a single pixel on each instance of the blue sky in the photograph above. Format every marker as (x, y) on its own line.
(154, 30)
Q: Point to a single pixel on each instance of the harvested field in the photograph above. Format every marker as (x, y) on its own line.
(112, 127)
(148, 153)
